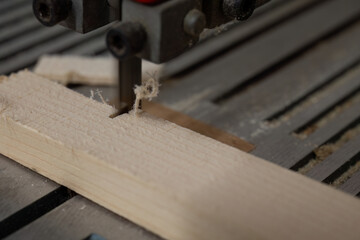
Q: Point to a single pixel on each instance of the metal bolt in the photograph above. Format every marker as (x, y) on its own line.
(194, 22)
(239, 9)
(51, 12)
(114, 3)
(126, 39)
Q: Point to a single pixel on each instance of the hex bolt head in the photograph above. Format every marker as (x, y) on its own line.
(51, 12)
(194, 22)
(126, 39)
(239, 9)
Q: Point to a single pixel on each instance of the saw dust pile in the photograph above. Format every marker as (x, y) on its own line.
(148, 90)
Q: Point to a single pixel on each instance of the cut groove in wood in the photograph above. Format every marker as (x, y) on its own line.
(101, 71)
(168, 179)
(160, 111)
(183, 120)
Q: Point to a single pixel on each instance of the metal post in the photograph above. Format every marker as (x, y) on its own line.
(129, 76)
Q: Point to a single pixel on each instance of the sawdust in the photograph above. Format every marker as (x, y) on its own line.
(315, 97)
(148, 90)
(292, 112)
(99, 93)
(92, 94)
(310, 129)
(346, 175)
(106, 101)
(324, 151)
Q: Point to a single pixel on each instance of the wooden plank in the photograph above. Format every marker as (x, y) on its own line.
(83, 70)
(78, 70)
(102, 71)
(77, 219)
(20, 187)
(168, 179)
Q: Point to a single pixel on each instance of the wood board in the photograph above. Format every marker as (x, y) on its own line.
(168, 179)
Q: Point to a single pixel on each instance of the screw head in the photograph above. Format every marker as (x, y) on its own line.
(194, 22)
(126, 39)
(51, 12)
(239, 9)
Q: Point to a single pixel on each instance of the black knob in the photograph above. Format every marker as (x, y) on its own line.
(239, 9)
(51, 12)
(126, 39)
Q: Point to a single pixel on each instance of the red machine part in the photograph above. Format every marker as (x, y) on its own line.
(148, 1)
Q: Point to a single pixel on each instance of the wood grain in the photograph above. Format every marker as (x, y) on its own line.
(168, 179)
(102, 71)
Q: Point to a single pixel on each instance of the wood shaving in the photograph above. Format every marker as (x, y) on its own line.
(148, 90)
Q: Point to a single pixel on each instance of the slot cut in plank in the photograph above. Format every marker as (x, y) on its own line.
(168, 179)
(68, 69)
(102, 71)
(183, 120)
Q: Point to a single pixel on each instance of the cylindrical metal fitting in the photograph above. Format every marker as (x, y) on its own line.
(126, 39)
(194, 22)
(239, 9)
(51, 12)
(114, 3)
